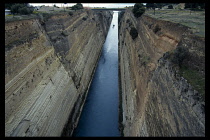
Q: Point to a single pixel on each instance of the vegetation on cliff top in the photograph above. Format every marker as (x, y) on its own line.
(195, 20)
(192, 76)
(195, 79)
(43, 16)
(22, 11)
(179, 55)
(77, 6)
(19, 8)
(138, 9)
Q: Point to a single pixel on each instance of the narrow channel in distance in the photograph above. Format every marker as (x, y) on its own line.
(100, 113)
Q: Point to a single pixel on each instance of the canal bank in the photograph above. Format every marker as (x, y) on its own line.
(100, 113)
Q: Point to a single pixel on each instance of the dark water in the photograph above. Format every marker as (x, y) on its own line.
(100, 113)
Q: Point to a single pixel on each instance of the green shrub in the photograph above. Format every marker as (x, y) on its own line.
(20, 9)
(170, 7)
(138, 9)
(15, 8)
(84, 18)
(145, 60)
(70, 13)
(24, 11)
(35, 12)
(139, 12)
(80, 6)
(77, 6)
(194, 5)
(133, 32)
(156, 29)
(64, 33)
(195, 79)
(46, 16)
(180, 54)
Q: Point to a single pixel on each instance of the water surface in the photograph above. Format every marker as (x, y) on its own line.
(100, 113)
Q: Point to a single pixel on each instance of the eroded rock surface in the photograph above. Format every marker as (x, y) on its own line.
(48, 69)
(156, 100)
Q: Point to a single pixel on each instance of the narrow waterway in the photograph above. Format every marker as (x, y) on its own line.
(100, 113)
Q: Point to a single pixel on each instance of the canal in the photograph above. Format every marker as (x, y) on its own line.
(100, 113)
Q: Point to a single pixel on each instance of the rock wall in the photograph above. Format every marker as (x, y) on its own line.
(155, 99)
(48, 69)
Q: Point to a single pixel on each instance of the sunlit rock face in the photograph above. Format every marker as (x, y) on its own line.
(48, 69)
(155, 99)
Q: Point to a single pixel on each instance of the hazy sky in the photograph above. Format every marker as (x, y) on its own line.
(108, 5)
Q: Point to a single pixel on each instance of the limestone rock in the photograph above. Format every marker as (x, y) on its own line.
(48, 70)
(163, 104)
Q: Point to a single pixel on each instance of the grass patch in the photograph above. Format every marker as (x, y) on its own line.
(36, 12)
(195, 79)
(195, 19)
(145, 60)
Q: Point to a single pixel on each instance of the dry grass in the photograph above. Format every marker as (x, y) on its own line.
(51, 9)
(35, 15)
(195, 79)
(195, 20)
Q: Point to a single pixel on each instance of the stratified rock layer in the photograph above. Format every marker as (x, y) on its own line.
(48, 70)
(155, 100)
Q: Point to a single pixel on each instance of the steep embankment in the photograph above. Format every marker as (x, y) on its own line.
(48, 69)
(155, 99)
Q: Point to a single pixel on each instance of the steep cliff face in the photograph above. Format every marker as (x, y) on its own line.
(45, 63)
(156, 100)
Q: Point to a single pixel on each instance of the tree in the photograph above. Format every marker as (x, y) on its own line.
(170, 7)
(187, 5)
(54, 6)
(153, 6)
(202, 5)
(80, 5)
(15, 8)
(9, 5)
(77, 6)
(24, 11)
(159, 5)
(138, 9)
(149, 5)
(192, 6)
(138, 5)
(64, 7)
(20, 9)
(139, 12)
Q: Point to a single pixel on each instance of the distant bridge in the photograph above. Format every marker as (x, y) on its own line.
(111, 9)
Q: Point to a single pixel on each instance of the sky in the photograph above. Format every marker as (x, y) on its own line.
(107, 5)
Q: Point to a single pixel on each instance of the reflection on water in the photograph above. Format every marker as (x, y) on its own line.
(100, 113)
